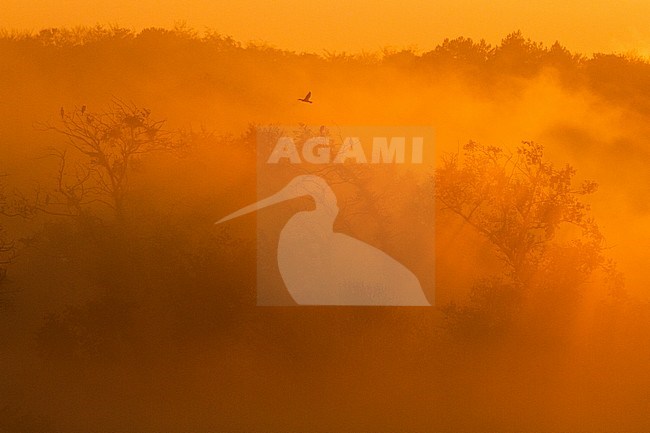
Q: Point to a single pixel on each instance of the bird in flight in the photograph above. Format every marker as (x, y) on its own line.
(306, 98)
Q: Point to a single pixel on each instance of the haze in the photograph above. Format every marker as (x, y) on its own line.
(124, 308)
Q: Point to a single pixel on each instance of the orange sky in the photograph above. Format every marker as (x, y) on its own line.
(339, 25)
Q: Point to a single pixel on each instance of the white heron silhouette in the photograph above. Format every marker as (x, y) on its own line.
(322, 267)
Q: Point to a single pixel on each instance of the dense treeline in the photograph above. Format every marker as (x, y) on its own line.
(615, 75)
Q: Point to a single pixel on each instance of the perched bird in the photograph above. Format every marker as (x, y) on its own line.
(83, 108)
(306, 98)
(62, 112)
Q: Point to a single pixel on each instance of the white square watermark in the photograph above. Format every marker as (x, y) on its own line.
(339, 218)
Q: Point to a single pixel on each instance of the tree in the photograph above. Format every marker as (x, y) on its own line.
(519, 203)
(464, 50)
(518, 55)
(108, 144)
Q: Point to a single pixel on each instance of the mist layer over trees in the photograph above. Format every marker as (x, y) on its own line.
(124, 308)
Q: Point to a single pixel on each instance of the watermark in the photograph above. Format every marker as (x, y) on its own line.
(344, 216)
(318, 150)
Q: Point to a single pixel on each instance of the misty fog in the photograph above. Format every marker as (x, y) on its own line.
(124, 308)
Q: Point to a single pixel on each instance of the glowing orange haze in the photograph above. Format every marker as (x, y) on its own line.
(127, 309)
(594, 26)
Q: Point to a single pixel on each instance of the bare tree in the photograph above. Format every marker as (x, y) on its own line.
(107, 144)
(517, 201)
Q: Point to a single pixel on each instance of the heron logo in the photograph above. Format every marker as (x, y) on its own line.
(315, 250)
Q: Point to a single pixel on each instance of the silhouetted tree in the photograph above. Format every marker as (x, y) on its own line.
(518, 55)
(519, 202)
(464, 50)
(109, 143)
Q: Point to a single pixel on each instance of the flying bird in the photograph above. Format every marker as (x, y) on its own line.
(306, 98)
(322, 267)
